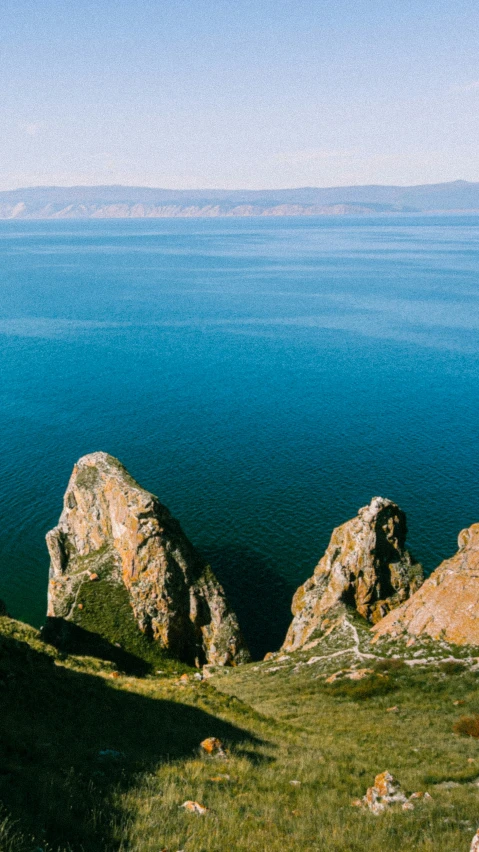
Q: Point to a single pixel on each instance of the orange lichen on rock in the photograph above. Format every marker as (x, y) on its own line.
(385, 792)
(194, 807)
(447, 605)
(213, 746)
(366, 565)
(386, 784)
(112, 528)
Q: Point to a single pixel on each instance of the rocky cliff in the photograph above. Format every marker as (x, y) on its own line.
(447, 605)
(120, 560)
(366, 566)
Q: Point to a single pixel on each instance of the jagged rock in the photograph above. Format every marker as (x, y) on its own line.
(447, 605)
(366, 565)
(117, 534)
(386, 792)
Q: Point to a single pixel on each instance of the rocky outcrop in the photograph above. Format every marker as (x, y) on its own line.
(386, 792)
(447, 605)
(366, 566)
(118, 556)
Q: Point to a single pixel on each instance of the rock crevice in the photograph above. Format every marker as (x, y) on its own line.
(447, 605)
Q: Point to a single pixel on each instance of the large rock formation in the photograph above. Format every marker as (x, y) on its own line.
(365, 566)
(447, 605)
(120, 562)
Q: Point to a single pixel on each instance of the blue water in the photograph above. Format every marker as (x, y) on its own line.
(265, 378)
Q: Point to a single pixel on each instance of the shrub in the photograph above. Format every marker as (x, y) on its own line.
(390, 666)
(358, 690)
(452, 667)
(468, 726)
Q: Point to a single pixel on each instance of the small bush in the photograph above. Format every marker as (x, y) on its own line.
(452, 667)
(468, 726)
(390, 666)
(358, 690)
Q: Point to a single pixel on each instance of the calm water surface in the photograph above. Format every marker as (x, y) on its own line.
(265, 378)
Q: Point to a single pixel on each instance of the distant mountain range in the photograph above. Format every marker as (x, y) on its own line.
(138, 202)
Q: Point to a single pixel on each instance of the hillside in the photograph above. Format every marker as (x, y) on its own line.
(93, 759)
(116, 738)
(103, 202)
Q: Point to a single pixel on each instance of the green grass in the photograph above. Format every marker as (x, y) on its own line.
(104, 626)
(280, 722)
(106, 611)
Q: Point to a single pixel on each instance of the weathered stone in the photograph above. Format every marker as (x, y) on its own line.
(447, 605)
(387, 786)
(116, 533)
(366, 565)
(475, 843)
(194, 808)
(386, 791)
(213, 746)
(349, 674)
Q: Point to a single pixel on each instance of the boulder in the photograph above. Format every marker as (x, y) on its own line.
(447, 605)
(213, 746)
(194, 807)
(120, 565)
(386, 792)
(365, 566)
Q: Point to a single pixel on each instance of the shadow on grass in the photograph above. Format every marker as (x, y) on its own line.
(260, 597)
(70, 638)
(70, 741)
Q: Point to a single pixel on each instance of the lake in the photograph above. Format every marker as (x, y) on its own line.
(264, 377)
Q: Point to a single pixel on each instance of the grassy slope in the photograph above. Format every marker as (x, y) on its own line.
(281, 721)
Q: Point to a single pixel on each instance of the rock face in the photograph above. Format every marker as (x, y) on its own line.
(447, 605)
(365, 566)
(115, 544)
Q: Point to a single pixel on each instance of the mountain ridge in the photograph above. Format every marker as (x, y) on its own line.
(116, 201)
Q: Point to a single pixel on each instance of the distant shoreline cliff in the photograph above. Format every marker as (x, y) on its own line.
(120, 202)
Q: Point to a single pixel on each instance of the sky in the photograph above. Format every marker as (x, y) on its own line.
(254, 94)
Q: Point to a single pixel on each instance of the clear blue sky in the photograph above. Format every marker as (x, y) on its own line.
(238, 93)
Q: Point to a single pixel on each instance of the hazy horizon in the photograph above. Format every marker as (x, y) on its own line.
(226, 189)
